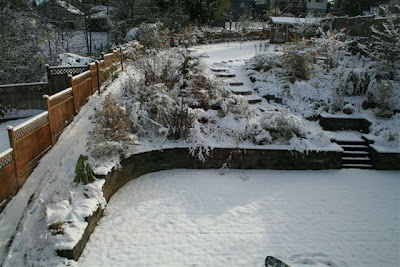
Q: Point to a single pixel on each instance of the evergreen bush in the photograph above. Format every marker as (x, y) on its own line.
(83, 171)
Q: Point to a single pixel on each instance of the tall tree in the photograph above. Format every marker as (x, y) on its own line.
(21, 53)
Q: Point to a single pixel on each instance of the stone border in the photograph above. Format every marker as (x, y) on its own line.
(179, 158)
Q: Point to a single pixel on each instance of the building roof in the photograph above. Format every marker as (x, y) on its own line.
(287, 20)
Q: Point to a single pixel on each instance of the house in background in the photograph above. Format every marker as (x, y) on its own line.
(62, 14)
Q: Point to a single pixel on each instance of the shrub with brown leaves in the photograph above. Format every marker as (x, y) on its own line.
(112, 122)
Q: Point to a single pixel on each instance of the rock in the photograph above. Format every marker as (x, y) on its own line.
(348, 109)
(273, 98)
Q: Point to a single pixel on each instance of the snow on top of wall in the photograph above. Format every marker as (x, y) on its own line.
(44, 113)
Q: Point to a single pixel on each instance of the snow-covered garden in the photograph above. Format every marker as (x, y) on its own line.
(202, 218)
(183, 97)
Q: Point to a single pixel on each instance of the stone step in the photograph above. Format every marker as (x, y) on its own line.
(225, 75)
(357, 166)
(351, 142)
(354, 147)
(352, 161)
(355, 153)
(253, 99)
(216, 69)
(235, 83)
(241, 91)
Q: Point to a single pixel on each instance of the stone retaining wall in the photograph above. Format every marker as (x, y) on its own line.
(179, 158)
(344, 123)
(385, 161)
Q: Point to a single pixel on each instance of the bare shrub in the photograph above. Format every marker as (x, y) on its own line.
(298, 62)
(181, 122)
(112, 121)
(266, 62)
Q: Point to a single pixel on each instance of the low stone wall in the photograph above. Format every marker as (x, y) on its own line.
(385, 160)
(344, 123)
(179, 158)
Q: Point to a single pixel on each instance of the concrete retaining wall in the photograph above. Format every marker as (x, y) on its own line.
(179, 158)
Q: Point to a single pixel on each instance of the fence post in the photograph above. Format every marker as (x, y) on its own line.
(102, 55)
(98, 76)
(73, 97)
(122, 58)
(52, 134)
(11, 138)
(49, 84)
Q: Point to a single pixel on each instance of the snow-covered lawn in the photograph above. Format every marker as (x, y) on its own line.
(202, 218)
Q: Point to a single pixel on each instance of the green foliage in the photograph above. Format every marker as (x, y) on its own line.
(83, 172)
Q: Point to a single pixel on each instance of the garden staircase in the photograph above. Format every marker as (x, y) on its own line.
(356, 154)
(236, 86)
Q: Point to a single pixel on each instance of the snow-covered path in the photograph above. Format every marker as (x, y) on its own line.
(202, 218)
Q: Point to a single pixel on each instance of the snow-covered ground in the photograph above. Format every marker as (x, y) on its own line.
(202, 218)
(25, 237)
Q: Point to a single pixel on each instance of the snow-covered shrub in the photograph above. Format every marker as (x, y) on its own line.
(330, 46)
(384, 96)
(151, 108)
(161, 67)
(155, 36)
(384, 44)
(308, 27)
(266, 61)
(199, 144)
(298, 61)
(276, 126)
(181, 122)
(112, 126)
(132, 50)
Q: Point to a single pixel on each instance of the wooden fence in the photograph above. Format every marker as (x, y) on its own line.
(30, 95)
(58, 77)
(24, 95)
(31, 140)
